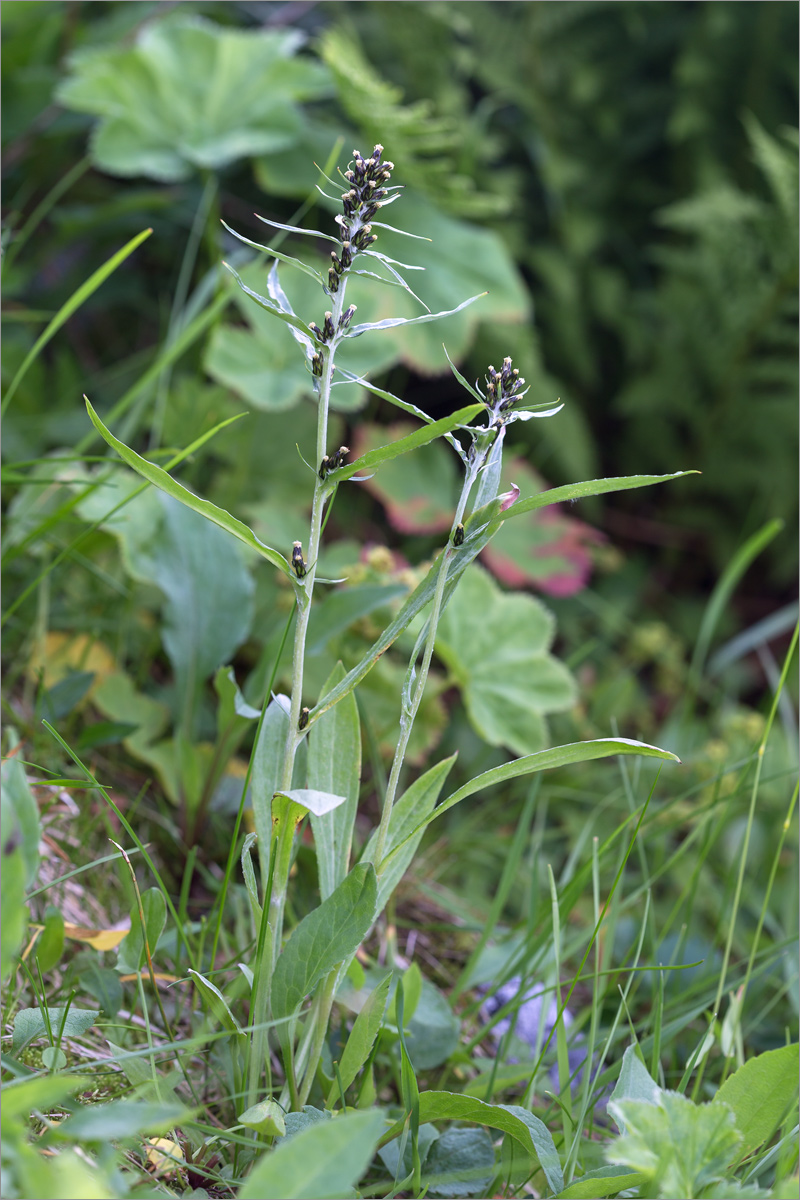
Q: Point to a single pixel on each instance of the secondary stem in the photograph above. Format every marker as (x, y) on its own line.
(409, 713)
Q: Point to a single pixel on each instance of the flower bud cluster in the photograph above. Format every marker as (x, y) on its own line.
(367, 178)
(503, 389)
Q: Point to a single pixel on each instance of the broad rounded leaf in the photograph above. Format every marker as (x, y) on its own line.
(496, 646)
(321, 1162)
(191, 94)
(760, 1093)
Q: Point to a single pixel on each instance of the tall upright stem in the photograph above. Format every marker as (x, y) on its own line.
(409, 712)
(294, 734)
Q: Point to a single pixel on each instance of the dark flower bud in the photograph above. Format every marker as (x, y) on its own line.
(369, 211)
(317, 332)
(324, 467)
(328, 326)
(333, 281)
(347, 316)
(301, 724)
(337, 265)
(347, 254)
(349, 175)
(298, 562)
(458, 536)
(377, 152)
(317, 364)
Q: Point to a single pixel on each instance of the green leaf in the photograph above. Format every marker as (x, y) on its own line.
(132, 948)
(21, 825)
(334, 765)
(392, 322)
(116, 697)
(219, 1006)
(322, 1162)
(29, 1023)
(408, 815)
(104, 984)
(50, 943)
(523, 1126)
(54, 1058)
(545, 760)
(433, 1029)
(267, 1118)
(120, 1119)
(592, 487)
(272, 307)
(306, 268)
(460, 1163)
(191, 94)
(324, 938)
(496, 646)
(208, 589)
(420, 494)
(366, 1028)
(167, 484)
(250, 878)
(634, 1081)
(13, 910)
(681, 1148)
(605, 1181)
(420, 437)
(70, 306)
(267, 764)
(761, 1093)
(43, 1092)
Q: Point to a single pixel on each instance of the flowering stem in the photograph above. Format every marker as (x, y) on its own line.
(409, 710)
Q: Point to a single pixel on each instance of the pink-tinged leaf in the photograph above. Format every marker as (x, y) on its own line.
(545, 548)
(419, 491)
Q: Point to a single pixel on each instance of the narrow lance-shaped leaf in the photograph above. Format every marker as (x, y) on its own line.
(473, 391)
(349, 377)
(287, 258)
(392, 322)
(365, 1029)
(287, 317)
(591, 487)
(166, 483)
(297, 229)
(420, 437)
(543, 760)
(408, 815)
(334, 765)
(67, 309)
